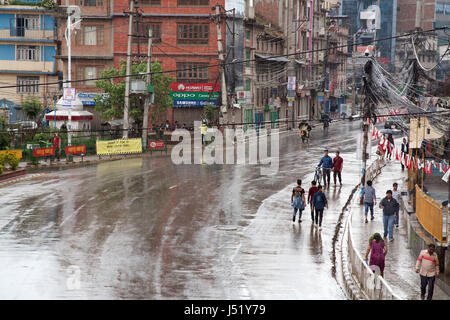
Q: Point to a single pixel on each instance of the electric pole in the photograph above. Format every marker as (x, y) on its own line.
(149, 82)
(354, 75)
(222, 60)
(127, 73)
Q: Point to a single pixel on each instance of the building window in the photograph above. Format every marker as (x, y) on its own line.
(27, 53)
(192, 72)
(447, 8)
(247, 34)
(91, 3)
(30, 22)
(193, 2)
(248, 84)
(440, 7)
(91, 36)
(193, 33)
(89, 72)
(27, 84)
(143, 32)
(247, 57)
(151, 2)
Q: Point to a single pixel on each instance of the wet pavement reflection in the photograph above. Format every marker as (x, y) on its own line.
(145, 228)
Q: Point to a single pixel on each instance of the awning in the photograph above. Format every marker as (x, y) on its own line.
(300, 62)
(271, 58)
(63, 115)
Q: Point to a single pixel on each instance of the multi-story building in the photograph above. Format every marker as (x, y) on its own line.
(265, 69)
(27, 56)
(184, 41)
(91, 49)
(388, 14)
(410, 18)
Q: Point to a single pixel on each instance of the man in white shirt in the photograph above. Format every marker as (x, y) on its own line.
(396, 194)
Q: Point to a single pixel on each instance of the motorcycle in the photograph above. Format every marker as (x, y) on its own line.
(304, 135)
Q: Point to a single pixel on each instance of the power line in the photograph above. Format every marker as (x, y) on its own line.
(226, 63)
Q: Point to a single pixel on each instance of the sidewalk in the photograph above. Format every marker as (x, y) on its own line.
(400, 262)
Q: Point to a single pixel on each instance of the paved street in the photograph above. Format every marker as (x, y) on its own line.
(145, 228)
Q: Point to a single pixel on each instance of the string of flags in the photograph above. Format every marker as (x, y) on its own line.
(409, 161)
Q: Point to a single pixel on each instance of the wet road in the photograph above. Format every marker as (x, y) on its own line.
(145, 228)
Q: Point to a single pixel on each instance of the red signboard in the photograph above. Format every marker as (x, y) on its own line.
(194, 87)
(76, 149)
(156, 145)
(43, 152)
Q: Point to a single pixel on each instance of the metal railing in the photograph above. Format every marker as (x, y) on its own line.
(371, 284)
(432, 216)
(374, 286)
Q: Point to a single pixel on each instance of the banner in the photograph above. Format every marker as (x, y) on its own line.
(43, 152)
(192, 103)
(194, 95)
(17, 153)
(75, 149)
(194, 87)
(156, 145)
(119, 146)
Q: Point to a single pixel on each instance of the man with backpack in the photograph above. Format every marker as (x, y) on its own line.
(298, 201)
(319, 204)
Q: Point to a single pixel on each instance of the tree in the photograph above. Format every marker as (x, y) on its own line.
(111, 106)
(4, 137)
(32, 107)
(210, 113)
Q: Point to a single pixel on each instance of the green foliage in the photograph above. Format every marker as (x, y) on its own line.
(112, 106)
(210, 112)
(10, 159)
(4, 137)
(47, 4)
(32, 107)
(1, 169)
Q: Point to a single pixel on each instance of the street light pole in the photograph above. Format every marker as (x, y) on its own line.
(128, 72)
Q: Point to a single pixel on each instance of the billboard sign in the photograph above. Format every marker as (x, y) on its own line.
(194, 87)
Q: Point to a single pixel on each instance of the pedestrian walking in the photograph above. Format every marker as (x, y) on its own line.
(298, 201)
(405, 150)
(389, 206)
(319, 204)
(378, 250)
(337, 167)
(312, 190)
(327, 164)
(391, 145)
(203, 131)
(57, 145)
(396, 194)
(369, 200)
(428, 266)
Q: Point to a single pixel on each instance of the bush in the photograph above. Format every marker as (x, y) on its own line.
(10, 159)
(1, 169)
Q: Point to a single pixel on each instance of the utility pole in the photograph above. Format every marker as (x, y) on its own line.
(127, 73)
(325, 65)
(222, 60)
(149, 82)
(354, 75)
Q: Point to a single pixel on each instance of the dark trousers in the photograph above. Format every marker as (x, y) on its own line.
(326, 175)
(424, 282)
(338, 174)
(312, 213)
(318, 217)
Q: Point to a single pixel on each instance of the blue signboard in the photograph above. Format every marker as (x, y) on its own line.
(191, 103)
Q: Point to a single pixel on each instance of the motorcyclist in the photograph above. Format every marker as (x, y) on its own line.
(304, 128)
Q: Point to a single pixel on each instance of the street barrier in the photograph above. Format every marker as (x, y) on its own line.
(371, 284)
(119, 146)
(432, 216)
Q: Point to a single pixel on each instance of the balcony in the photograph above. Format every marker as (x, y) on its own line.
(28, 66)
(21, 34)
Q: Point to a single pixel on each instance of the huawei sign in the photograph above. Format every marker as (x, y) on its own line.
(194, 87)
